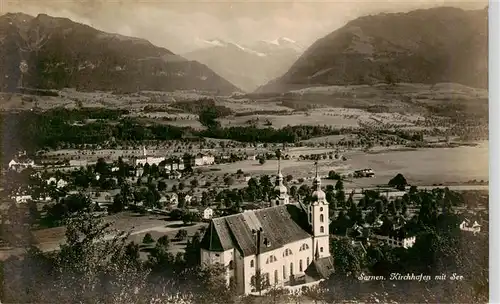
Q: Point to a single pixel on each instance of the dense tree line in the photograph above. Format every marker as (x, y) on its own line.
(31, 131)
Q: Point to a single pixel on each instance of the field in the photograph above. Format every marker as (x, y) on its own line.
(339, 106)
(137, 225)
(420, 167)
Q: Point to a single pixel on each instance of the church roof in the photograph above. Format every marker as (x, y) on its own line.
(321, 268)
(280, 225)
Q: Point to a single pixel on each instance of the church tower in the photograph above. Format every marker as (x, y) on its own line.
(280, 192)
(319, 219)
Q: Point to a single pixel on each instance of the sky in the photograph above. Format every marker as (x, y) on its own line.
(181, 26)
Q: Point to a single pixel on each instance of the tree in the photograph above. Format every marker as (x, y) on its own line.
(339, 185)
(262, 160)
(208, 118)
(181, 235)
(161, 186)
(164, 241)
(333, 175)
(194, 183)
(347, 259)
(189, 218)
(118, 204)
(228, 180)
(86, 257)
(213, 280)
(315, 293)
(260, 281)
(399, 182)
(148, 239)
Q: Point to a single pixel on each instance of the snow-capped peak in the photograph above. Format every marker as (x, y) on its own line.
(281, 41)
(249, 50)
(288, 40)
(215, 42)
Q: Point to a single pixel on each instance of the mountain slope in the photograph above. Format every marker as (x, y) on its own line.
(248, 66)
(57, 52)
(423, 46)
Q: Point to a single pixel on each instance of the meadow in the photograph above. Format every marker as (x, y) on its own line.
(420, 166)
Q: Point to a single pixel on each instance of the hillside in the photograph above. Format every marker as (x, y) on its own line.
(248, 66)
(423, 46)
(56, 52)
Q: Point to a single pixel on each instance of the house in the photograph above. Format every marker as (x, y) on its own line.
(208, 213)
(20, 164)
(475, 228)
(251, 156)
(173, 199)
(78, 163)
(61, 184)
(174, 175)
(364, 173)
(58, 183)
(139, 172)
(52, 180)
(149, 160)
(188, 198)
(288, 244)
(22, 198)
(204, 160)
(397, 238)
(163, 200)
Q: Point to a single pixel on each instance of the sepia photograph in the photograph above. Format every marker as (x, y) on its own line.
(244, 152)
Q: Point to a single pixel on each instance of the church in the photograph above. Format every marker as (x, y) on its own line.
(286, 244)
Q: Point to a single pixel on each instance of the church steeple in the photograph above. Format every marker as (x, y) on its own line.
(317, 179)
(318, 195)
(319, 218)
(281, 195)
(279, 175)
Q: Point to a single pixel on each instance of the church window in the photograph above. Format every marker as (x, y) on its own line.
(231, 265)
(321, 229)
(271, 259)
(308, 261)
(321, 249)
(310, 217)
(287, 252)
(276, 277)
(321, 218)
(304, 247)
(291, 269)
(300, 265)
(284, 272)
(251, 263)
(321, 209)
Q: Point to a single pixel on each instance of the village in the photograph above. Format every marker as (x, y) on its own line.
(181, 197)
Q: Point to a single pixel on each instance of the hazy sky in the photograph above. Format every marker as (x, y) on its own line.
(182, 25)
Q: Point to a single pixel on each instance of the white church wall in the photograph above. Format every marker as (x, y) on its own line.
(282, 263)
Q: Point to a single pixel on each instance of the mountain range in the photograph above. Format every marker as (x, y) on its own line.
(52, 53)
(423, 46)
(251, 65)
